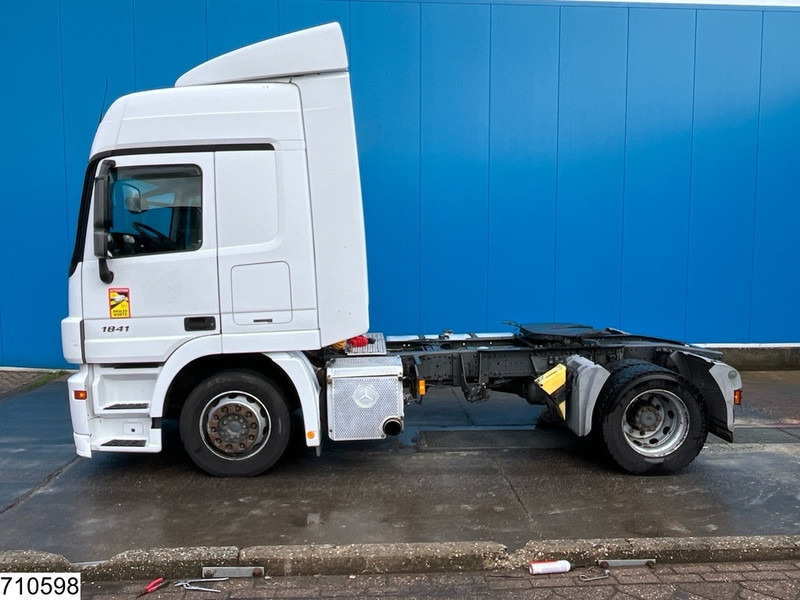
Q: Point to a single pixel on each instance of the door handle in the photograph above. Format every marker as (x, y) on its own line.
(199, 323)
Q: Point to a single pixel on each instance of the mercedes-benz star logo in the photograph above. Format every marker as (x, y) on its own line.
(365, 396)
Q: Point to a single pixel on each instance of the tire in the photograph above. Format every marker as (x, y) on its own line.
(626, 363)
(650, 420)
(235, 424)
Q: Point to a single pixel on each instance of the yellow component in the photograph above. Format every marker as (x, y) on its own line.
(553, 380)
(562, 409)
(338, 345)
(421, 387)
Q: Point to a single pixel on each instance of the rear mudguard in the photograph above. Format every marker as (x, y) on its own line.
(715, 380)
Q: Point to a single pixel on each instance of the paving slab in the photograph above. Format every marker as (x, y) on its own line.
(15, 381)
(660, 582)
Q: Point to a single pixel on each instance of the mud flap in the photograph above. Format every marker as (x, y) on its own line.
(588, 379)
(716, 382)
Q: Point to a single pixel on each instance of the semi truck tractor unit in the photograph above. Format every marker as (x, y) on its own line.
(219, 278)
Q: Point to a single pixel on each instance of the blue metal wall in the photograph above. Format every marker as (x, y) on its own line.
(633, 166)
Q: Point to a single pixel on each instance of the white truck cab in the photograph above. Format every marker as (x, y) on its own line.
(220, 268)
(161, 278)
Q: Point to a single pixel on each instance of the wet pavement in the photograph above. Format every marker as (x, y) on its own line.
(435, 483)
(35, 437)
(771, 398)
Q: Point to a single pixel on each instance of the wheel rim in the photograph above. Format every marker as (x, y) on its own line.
(655, 423)
(235, 425)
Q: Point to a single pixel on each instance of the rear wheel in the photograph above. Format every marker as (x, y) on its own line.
(650, 420)
(235, 424)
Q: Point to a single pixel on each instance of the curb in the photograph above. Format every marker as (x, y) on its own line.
(404, 558)
(665, 550)
(374, 558)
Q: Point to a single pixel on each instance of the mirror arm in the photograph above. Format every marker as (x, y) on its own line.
(101, 223)
(106, 274)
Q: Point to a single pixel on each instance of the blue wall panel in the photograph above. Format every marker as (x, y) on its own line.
(776, 269)
(299, 14)
(385, 67)
(170, 39)
(34, 236)
(630, 166)
(657, 170)
(455, 166)
(235, 23)
(87, 40)
(524, 146)
(723, 175)
(591, 152)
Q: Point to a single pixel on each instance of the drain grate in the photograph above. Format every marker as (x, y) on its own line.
(487, 439)
(766, 435)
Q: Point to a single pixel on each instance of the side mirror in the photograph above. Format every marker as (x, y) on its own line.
(102, 218)
(134, 202)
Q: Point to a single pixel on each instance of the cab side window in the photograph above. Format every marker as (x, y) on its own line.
(155, 209)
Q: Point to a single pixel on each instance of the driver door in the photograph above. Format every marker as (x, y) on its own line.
(159, 238)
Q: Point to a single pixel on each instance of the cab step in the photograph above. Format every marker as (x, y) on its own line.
(125, 443)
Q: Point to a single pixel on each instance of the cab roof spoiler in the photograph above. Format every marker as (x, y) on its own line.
(315, 50)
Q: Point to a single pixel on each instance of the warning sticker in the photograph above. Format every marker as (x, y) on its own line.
(119, 303)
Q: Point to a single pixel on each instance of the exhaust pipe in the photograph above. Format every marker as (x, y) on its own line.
(392, 426)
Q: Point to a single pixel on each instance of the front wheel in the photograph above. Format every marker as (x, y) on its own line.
(235, 424)
(650, 420)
